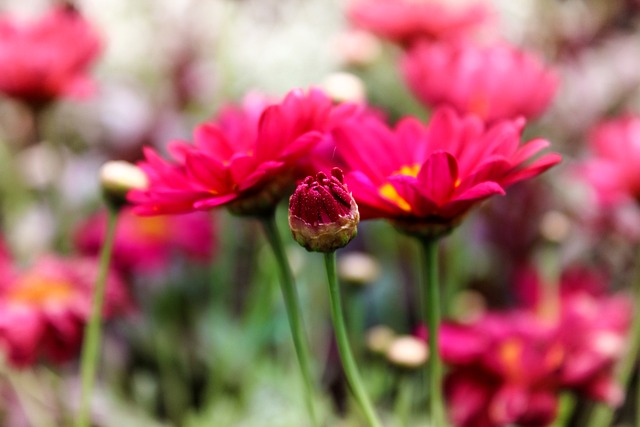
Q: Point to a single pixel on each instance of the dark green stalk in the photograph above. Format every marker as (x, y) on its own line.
(93, 329)
(342, 339)
(431, 314)
(294, 313)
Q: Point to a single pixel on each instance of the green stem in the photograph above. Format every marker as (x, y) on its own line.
(294, 314)
(602, 414)
(93, 329)
(348, 362)
(431, 314)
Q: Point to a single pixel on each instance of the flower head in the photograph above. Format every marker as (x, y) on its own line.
(43, 310)
(612, 171)
(426, 178)
(494, 82)
(245, 160)
(117, 178)
(407, 21)
(49, 58)
(148, 244)
(502, 370)
(323, 216)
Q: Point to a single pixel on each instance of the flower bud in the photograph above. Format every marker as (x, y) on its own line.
(323, 216)
(117, 178)
(408, 352)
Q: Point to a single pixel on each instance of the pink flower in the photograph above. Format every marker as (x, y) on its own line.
(407, 21)
(591, 326)
(502, 371)
(49, 58)
(144, 244)
(43, 310)
(430, 176)
(246, 159)
(494, 82)
(612, 171)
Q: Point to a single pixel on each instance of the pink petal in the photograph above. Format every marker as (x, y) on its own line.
(210, 173)
(213, 142)
(272, 134)
(437, 177)
(534, 169)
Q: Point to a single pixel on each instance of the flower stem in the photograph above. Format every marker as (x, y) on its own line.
(93, 329)
(431, 314)
(602, 414)
(348, 362)
(294, 314)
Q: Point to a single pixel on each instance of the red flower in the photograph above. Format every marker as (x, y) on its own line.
(494, 82)
(407, 21)
(49, 58)
(613, 169)
(430, 176)
(591, 326)
(43, 310)
(144, 244)
(502, 371)
(246, 159)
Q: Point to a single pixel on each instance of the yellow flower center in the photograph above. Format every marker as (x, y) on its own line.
(156, 227)
(389, 192)
(37, 290)
(510, 354)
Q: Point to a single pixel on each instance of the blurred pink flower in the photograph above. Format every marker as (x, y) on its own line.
(510, 367)
(246, 159)
(494, 82)
(145, 244)
(49, 58)
(591, 325)
(43, 309)
(408, 21)
(502, 371)
(612, 170)
(432, 175)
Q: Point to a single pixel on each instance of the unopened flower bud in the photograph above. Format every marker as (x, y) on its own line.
(379, 338)
(358, 268)
(323, 216)
(344, 87)
(117, 178)
(408, 352)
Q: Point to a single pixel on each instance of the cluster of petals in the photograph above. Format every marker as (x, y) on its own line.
(496, 81)
(248, 154)
(149, 244)
(44, 308)
(510, 367)
(612, 168)
(591, 325)
(433, 174)
(48, 58)
(407, 21)
(501, 371)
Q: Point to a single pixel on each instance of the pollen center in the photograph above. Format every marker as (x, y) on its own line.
(40, 290)
(390, 193)
(152, 227)
(511, 354)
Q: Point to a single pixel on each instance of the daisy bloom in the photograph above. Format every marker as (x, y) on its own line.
(246, 159)
(48, 58)
(148, 244)
(407, 21)
(612, 169)
(43, 309)
(425, 178)
(494, 82)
